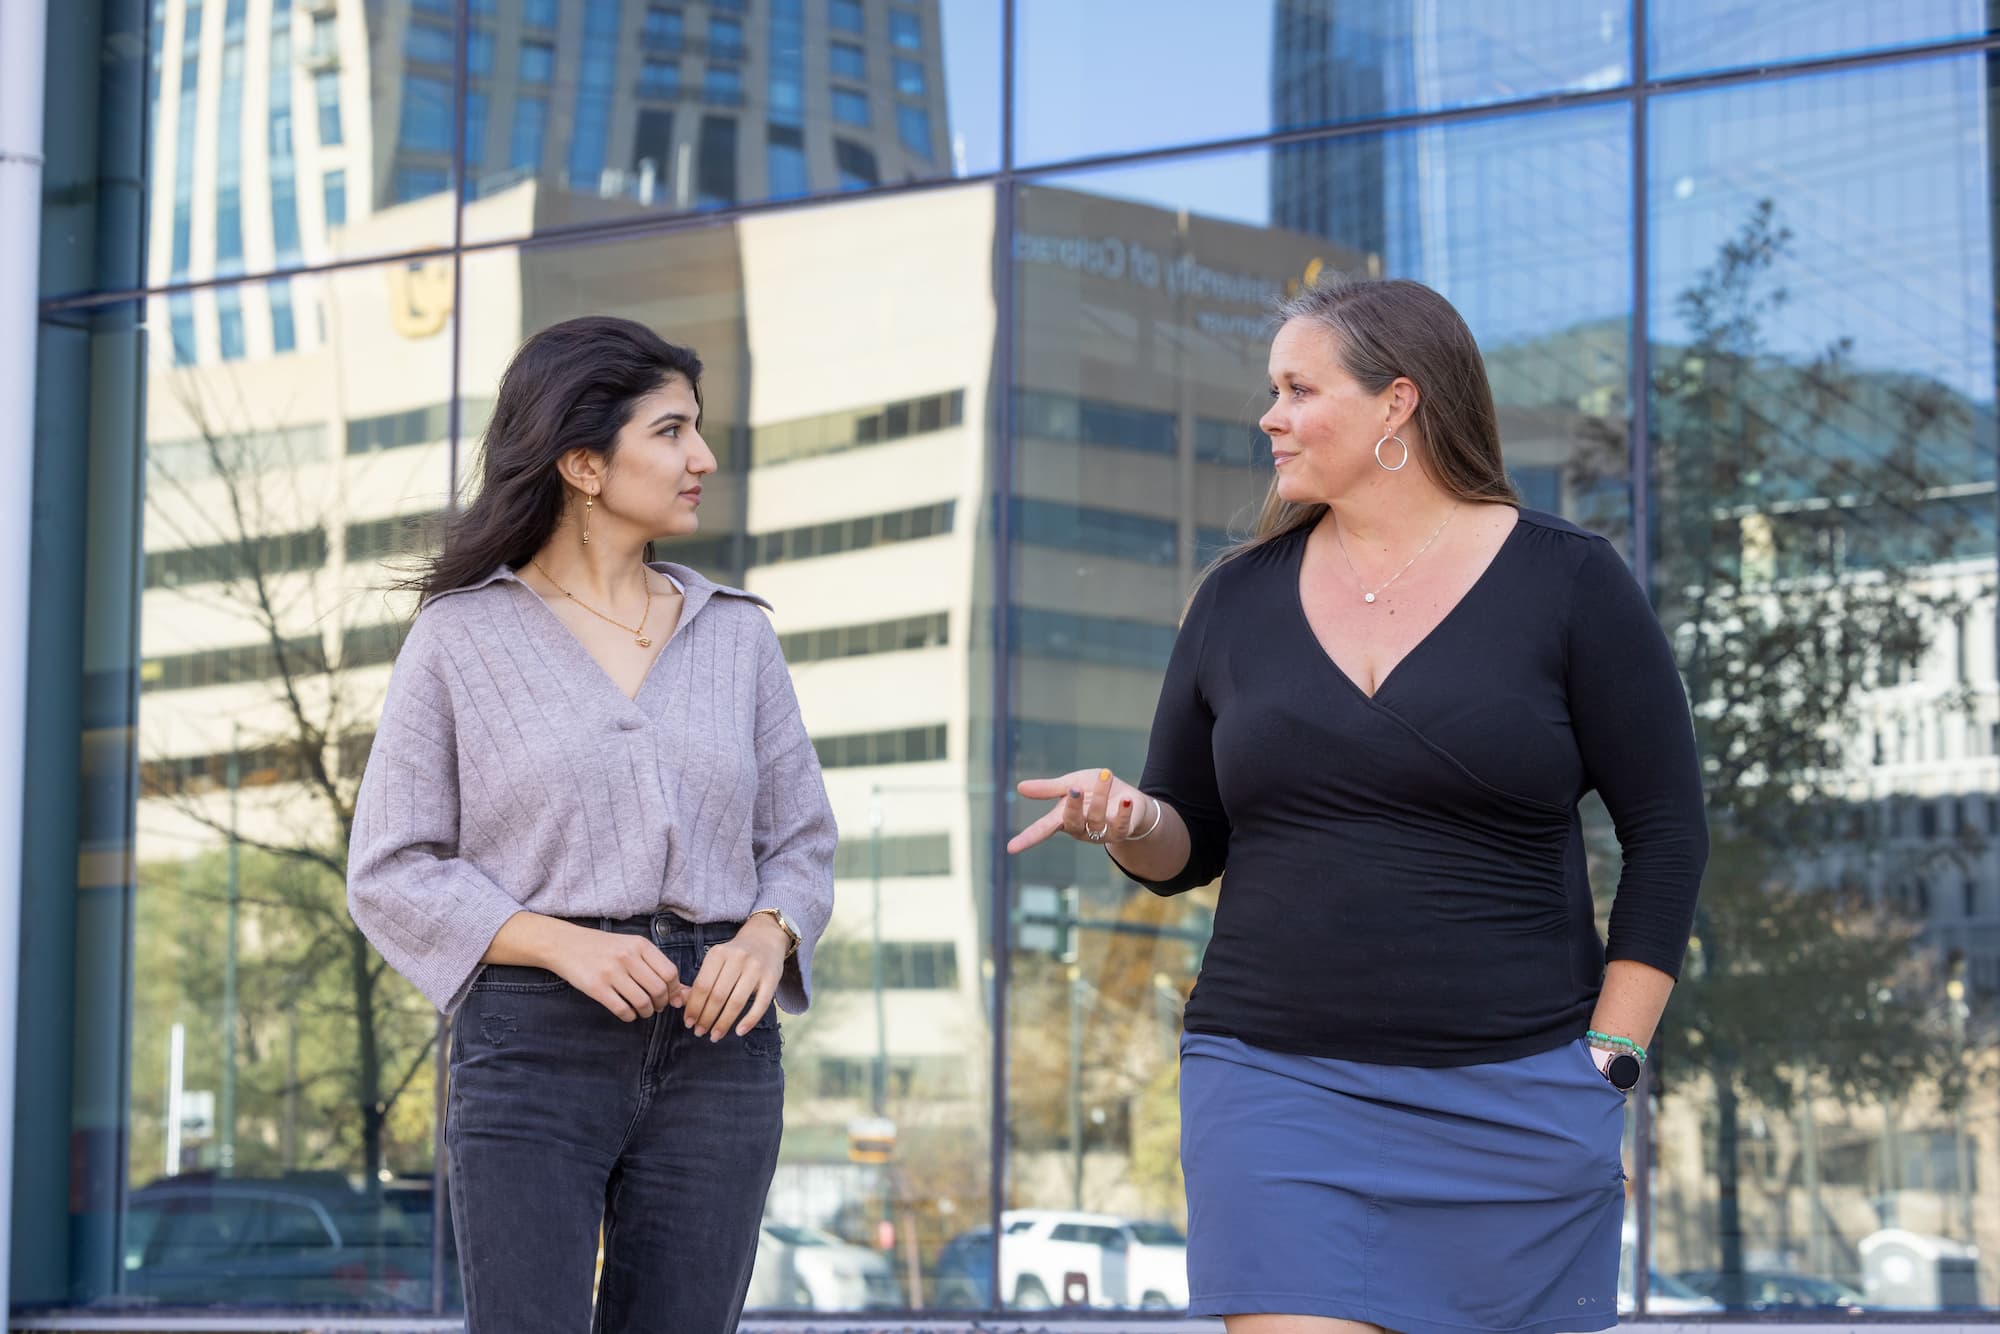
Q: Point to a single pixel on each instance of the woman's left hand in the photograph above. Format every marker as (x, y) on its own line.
(739, 977)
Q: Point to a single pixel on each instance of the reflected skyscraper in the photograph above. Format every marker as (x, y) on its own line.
(1329, 69)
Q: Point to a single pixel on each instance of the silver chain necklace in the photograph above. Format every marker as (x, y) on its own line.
(1366, 595)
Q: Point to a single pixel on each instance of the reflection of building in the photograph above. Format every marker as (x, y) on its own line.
(281, 127)
(852, 389)
(1362, 195)
(1480, 237)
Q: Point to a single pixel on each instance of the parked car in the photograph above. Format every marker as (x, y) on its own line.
(803, 1268)
(1665, 1295)
(1772, 1290)
(1156, 1266)
(306, 1239)
(1051, 1257)
(963, 1276)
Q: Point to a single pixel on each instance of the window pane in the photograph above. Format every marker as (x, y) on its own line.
(891, 728)
(524, 150)
(717, 167)
(605, 65)
(1114, 489)
(786, 166)
(725, 39)
(277, 1154)
(326, 88)
(479, 51)
(1277, 65)
(475, 131)
(1823, 371)
(786, 37)
(428, 44)
(426, 115)
(284, 336)
(1692, 36)
(664, 30)
(660, 78)
(850, 108)
(913, 127)
(722, 86)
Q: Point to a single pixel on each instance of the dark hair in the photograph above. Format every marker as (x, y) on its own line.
(571, 386)
(1383, 329)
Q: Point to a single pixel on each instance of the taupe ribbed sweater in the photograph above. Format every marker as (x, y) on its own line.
(509, 773)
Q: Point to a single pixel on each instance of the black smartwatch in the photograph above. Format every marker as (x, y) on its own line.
(1622, 1070)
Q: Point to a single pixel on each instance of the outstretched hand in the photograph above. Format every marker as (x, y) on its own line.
(1092, 806)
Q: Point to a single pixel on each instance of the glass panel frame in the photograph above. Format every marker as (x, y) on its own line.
(1283, 66)
(1696, 37)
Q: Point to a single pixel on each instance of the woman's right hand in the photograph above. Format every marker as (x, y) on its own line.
(1083, 799)
(626, 974)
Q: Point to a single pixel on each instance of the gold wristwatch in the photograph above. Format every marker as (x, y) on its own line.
(786, 923)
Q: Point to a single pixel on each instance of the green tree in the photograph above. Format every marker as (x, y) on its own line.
(1802, 511)
(247, 512)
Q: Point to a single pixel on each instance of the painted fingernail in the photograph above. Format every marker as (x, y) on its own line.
(1076, 792)
(1125, 803)
(1103, 775)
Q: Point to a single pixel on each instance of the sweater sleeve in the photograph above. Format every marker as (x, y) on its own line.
(1630, 715)
(1180, 757)
(430, 913)
(792, 832)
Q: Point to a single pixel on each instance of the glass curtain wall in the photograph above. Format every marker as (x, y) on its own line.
(984, 293)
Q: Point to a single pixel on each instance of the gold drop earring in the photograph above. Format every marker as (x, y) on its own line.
(589, 502)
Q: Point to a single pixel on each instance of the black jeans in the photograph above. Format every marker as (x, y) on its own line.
(562, 1116)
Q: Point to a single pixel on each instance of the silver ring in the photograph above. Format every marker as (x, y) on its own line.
(1099, 836)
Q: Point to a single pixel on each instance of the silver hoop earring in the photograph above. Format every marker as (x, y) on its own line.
(1406, 452)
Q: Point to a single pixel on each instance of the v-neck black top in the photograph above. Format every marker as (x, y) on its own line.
(1403, 877)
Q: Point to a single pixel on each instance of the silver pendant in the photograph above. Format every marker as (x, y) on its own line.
(1367, 597)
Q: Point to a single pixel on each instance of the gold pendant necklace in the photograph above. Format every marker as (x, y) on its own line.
(638, 632)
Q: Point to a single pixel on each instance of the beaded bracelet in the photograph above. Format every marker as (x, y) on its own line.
(1610, 1043)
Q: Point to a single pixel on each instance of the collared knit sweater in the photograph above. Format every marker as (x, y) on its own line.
(509, 773)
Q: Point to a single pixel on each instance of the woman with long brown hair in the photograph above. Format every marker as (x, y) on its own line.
(592, 829)
(1406, 1057)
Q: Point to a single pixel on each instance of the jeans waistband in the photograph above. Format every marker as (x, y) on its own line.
(663, 927)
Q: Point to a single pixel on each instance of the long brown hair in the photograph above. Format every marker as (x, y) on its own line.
(1384, 328)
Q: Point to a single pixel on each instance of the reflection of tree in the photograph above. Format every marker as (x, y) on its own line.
(1091, 1049)
(1801, 514)
(246, 517)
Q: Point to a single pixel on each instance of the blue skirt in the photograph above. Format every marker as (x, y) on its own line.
(1482, 1197)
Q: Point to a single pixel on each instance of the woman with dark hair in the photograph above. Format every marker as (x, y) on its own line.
(1406, 1058)
(593, 829)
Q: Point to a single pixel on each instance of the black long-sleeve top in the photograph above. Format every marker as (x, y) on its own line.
(1403, 877)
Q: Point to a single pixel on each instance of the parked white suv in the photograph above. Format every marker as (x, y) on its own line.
(1052, 1257)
